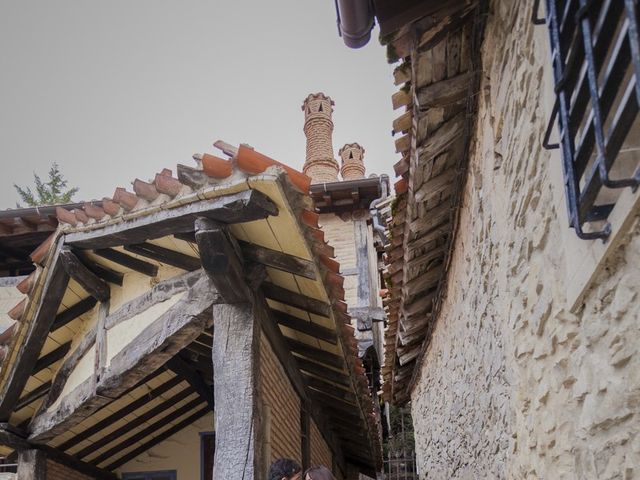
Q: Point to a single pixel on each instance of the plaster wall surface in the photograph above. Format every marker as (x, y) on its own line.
(519, 381)
(180, 452)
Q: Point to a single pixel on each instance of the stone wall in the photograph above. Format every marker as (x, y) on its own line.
(517, 381)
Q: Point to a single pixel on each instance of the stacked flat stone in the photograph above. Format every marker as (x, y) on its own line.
(352, 155)
(318, 128)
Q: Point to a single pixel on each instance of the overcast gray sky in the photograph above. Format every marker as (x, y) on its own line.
(114, 90)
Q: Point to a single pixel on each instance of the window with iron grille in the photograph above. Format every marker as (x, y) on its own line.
(596, 66)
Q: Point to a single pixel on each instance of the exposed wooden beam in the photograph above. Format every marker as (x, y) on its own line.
(32, 465)
(35, 336)
(315, 353)
(131, 425)
(51, 357)
(146, 432)
(305, 326)
(244, 206)
(73, 312)
(158, 293)
(323, 372)
(67, 367)
(120, 414)
(279, 260)
(128, 261)
(89, 281)
(159, 438)
(221, 261)
(295, 299)
(105, 273)
(334, 390)
(236, 354)
(35, 394)
(188, 373)
(165, 255)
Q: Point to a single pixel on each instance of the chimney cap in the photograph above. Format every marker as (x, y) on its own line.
(350, 146)
(317, 96)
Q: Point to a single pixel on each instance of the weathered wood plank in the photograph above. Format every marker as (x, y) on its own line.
(32, 465)
(245, 206)
(236, 353)
(89, 281)
(188, 373)
(32, 396)
(16, 376)
(444, 92)
(100, 363)
(67, 367)
(51, 357)
(165, 255)
(159, 293)
(167, 335)
(220, 260)
(73, 312)
(151, 349)
(278, 260)
(315, 353)
(128, 261)
(295, 299)
(304, 326)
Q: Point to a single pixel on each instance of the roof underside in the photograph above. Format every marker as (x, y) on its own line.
(303, 290)
(439, 79)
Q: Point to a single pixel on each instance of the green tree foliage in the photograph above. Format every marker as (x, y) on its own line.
(52, 192)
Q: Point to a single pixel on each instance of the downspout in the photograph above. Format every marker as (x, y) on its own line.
(355, 21)
(375, 214)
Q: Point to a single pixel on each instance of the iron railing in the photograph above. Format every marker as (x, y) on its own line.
(596, 66)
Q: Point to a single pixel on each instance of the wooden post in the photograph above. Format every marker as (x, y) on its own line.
(32, 465)
(236, 351)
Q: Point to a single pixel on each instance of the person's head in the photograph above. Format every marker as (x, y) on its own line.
(318, 473)
(285, 469)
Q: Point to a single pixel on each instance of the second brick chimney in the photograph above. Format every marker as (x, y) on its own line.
(352, 161)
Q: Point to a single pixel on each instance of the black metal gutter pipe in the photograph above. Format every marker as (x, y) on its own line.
(355, 21)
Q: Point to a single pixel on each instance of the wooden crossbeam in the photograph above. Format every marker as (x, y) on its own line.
(165, 255)
(73, 312)
(188, 373)
(316, 354)
(33, 395)
(295, 299)
(220, 260)
(105, 273)
(334, 390)
(131, 425)
(28, 353)
(245, 206)
(128, 261)
(89, 281)
(123, 412)
(305, 326)
(159, 438)
(51, 357)
(267, 257)
(330, 400)
(279, 260)
(323, 372)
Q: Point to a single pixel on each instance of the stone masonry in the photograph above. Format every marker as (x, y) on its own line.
(516, 383)
(318, 128)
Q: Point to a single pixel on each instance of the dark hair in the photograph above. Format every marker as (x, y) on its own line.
(319, 473)
(283, 468)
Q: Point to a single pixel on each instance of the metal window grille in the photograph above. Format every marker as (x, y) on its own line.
(596, 66)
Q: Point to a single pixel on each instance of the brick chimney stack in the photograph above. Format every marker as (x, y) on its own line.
(352, 161)
(318, 128)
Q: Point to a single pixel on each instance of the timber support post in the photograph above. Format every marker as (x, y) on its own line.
(32, 465)
(236, 352)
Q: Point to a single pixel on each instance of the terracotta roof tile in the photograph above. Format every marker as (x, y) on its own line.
(145, 190)
(252, 162)
(165, 183)
(127, 200)
(16, 312)
(216, 167)
(93, 211)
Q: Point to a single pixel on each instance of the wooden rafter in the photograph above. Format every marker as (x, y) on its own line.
(89, 281)
(128, 261)
(165, 255)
